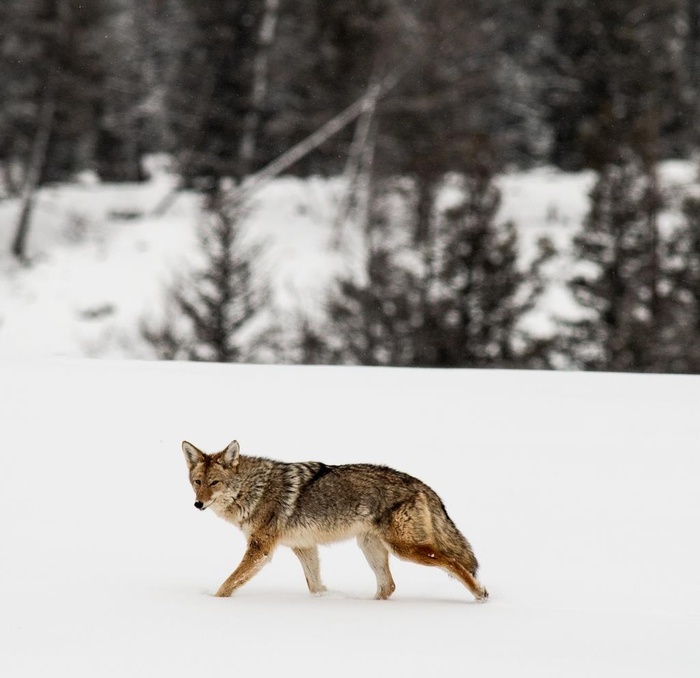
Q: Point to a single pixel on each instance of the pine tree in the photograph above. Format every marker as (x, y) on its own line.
(482, 293)
(376, 320)
(132, 120)
(72, 57)
(520, 36)
(211, 92)
(678, 350)
(212, 315)
(618, 286)
(442, 111)
(615, 73)
(457, 301)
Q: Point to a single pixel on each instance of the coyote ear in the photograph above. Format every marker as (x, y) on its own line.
(192, 455)
(231, 453)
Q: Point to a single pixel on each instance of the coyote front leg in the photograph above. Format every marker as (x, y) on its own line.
(257, 554)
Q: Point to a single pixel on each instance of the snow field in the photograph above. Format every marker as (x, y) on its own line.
(577, 491)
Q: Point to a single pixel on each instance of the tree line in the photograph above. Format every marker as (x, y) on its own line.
(225, 87)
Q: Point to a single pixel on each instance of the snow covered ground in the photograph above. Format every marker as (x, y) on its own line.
(101, 259)
(579, 493)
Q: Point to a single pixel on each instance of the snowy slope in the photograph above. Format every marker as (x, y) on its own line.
(96, 274)
(579, 493)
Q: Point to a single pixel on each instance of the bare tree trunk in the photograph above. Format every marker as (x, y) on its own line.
(256, 181)
(358, 168)
(251, 122)
(202, 110)
(424, 210)
(693, 55)
(652, 204)
(314, 140)
(45, 125)
(35, 172)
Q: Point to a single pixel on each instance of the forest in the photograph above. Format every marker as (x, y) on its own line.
(404, 99)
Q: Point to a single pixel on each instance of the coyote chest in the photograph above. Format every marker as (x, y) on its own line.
(232, 514)
(302, 505)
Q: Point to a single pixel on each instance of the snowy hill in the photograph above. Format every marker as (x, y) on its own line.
(101, 260)
(579, 493)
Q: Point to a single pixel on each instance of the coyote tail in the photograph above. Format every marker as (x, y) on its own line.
(448, 537)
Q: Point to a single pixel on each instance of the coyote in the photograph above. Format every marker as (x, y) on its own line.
(304, 504)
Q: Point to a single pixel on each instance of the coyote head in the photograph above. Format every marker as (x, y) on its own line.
(210, 473)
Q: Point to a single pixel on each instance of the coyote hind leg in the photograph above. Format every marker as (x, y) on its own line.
(308, 557)
(434, 557)
(378, 558)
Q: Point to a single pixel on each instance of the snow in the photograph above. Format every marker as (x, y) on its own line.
(577, 491)
(95, 276)
(101, 259)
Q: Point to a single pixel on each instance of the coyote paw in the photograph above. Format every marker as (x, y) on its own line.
(383, 594)
(483, 595)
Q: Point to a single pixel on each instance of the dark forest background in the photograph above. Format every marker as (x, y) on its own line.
(430, 91)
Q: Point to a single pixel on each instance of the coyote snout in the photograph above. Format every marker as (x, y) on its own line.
(304, 504)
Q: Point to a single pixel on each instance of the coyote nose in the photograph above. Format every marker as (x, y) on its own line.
(199, 505)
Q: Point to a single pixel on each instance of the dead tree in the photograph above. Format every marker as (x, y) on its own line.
(47, 114)
(251, 122)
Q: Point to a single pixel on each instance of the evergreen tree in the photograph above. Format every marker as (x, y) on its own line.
(442, 111)
(520, 38)
(212, 88)
(458, 301)
(376, 320)
(483, 294)
(212, 315)
(615, 77)
(132, 120)
(619, 282)
(15, 120)
(678, 350)
(325, 56)
(73, 58)
(70, 48)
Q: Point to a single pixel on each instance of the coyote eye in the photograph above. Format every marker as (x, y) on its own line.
(198, 482)
(214, 482)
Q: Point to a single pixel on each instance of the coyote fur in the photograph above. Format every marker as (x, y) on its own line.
(302, 505)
